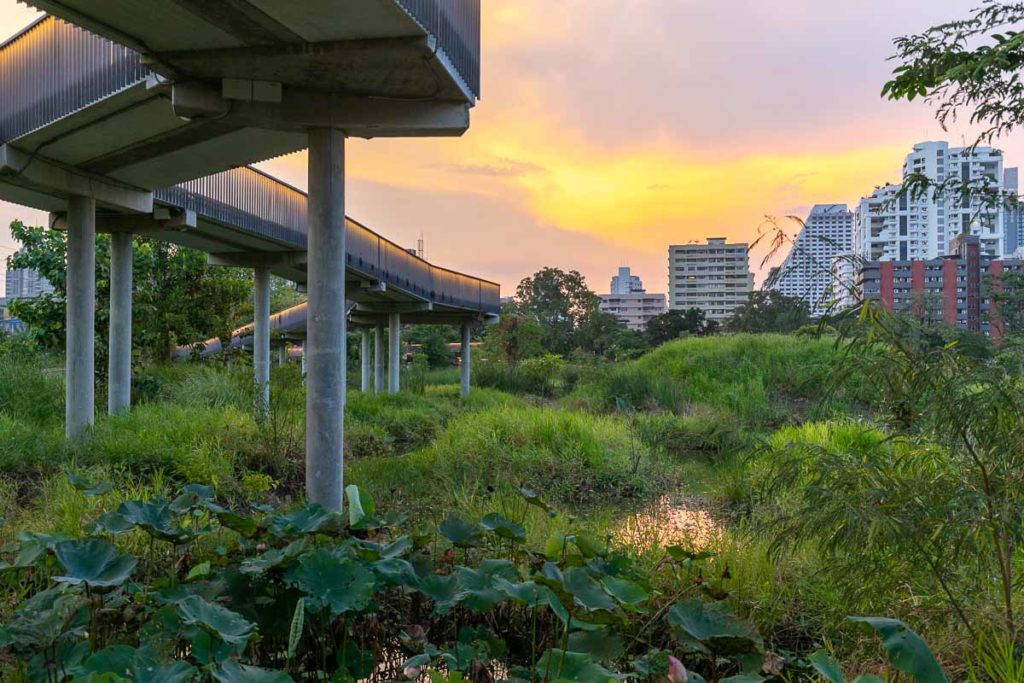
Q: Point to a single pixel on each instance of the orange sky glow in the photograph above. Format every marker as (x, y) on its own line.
(611, 129)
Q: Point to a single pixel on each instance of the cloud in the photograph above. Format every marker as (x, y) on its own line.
(502, 168)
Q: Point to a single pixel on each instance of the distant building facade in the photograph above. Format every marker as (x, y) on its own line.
(636, 309)
(898, 226)
(625, 282)
(629, 301)
(24, 283)
(806, 274)
(714, 277)
(948, 289)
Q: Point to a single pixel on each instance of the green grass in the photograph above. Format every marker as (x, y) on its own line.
(765, 380)
(569, 457)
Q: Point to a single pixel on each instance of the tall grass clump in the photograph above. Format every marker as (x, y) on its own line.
(569, 457)
(30, 391)
(762, 379)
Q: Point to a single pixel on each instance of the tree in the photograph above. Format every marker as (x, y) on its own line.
(433, 341)
(177, 297)
(973, 63)
(676, 323)
(560, 302)
(602, 334)
(769, 311)
(514, 338)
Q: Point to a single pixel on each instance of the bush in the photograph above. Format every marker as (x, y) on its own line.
(707, 432)
(569, 456)
(29, 391)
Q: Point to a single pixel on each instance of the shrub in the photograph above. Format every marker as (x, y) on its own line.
(568, 456)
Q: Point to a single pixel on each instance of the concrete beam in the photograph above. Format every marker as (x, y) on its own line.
(394, 353)
(364, 360)
(259, 259)
(466, 352)
(363, 117)
(261, 339)
(389, 307)
(378, 358)
(119, 362)
(80, 361)
(162, 219)
(326, 355)
(37, 173)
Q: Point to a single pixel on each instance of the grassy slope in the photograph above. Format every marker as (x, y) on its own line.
(693, 409)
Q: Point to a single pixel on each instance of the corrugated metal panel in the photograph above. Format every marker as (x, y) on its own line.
(456, 25)
(53, 69)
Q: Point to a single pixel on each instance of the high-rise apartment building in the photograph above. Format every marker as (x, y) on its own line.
(806, 273)
(714, 277)
(625, 282)
(898, 226)
(24, 283)
(629, 301)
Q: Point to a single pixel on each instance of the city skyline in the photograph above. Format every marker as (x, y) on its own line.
(689, 146)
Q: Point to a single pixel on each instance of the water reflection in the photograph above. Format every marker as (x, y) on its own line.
(670, 520)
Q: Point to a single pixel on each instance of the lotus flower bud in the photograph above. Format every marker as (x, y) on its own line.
(676, 671)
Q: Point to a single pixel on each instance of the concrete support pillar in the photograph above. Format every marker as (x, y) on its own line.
(261, 337)
(302, 358)
(282, 355)
(119, 362)
(364, 359)
(80, 363)
(378, 359)
(326, 356)
(465, 361)
(394, 353)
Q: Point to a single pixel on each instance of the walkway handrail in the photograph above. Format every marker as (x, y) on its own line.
(249, 199)
(456, 25)
(53, 68)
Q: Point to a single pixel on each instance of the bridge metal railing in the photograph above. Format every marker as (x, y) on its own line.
(54, 68)
(244, 198)
(456, 25)
(248, 199)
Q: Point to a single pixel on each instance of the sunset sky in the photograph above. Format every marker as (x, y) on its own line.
(609, 129)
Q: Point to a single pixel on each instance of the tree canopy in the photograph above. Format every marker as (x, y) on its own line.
(769, 311)
(178, 298)
(677, 323)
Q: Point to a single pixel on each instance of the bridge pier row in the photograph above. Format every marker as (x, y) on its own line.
(464, 365)
(326, 322)
(364, 360)
(378, 359)
(261, 338)
(80, 359)
(119, 361)
(395, 352)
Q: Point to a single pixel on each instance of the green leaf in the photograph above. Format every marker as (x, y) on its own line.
(87, 487)
(532, 497)
(713, 626)
(590, 546)
(246, 526)
(530, 593)
(480, 592)
(113, 523)
(93, 562)
(460, 532)
(203, 570)
(295, 630)
(604, 645)
(309, 519)
(233, 672)
(154, 519)
(178, 672)
(575, 667)
(906, 651)
(586, 592)
(273, 558)
(192, 496)
(360, 505)
(225, 624)
(826, 667)
(625, 591)
(344, 586)
(443, 590)
(503, 528)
